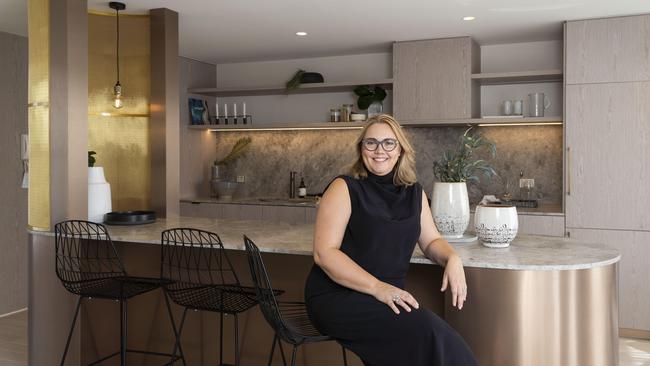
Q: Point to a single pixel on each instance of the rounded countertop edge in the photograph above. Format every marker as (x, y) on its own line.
(527, 267)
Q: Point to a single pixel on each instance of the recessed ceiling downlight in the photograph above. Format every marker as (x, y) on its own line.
(469, 18)
(301, 34)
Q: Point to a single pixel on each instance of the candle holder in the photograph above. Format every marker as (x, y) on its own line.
(234, 120)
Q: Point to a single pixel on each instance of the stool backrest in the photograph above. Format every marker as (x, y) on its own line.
(195, 256)
(84, 252)
(264, 291)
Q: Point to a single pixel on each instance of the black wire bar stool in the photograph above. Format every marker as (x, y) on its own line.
(88, 265)
(288, 319)
(203, 278)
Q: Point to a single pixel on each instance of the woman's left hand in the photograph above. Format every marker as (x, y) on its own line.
(454, 277)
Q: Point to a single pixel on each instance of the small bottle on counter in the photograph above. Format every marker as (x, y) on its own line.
(335, 115)
(302, 188)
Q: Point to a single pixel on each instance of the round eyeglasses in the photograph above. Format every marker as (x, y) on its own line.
(371, 144)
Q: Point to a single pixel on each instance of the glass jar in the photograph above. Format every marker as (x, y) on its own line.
(345, 112)
(335, 115)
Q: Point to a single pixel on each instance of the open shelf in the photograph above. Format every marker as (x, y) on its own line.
(279, 90)
(536, 76)
(296, 126)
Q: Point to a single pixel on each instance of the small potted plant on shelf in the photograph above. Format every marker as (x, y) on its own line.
(370, 98)
(449, 200)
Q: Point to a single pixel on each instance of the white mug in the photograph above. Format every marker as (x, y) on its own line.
(507, 107)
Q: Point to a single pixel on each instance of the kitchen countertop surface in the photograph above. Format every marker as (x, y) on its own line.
(544, 209)
(526, 252)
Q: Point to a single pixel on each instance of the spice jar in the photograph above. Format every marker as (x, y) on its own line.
(335, 115)
(345, 112)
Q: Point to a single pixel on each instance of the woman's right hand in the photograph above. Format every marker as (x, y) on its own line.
(394, 296)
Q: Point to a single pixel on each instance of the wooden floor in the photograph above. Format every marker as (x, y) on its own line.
(13, 344)
(13, 339)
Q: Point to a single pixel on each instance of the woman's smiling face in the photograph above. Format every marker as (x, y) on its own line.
(380, 162)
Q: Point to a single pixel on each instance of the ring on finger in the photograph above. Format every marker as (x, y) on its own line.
(396, 298)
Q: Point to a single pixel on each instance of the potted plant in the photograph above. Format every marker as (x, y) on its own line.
(220, 186)
(449, 200)
(99, 191)
(370, 98)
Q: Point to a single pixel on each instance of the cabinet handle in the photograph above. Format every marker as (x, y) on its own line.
(568, 170)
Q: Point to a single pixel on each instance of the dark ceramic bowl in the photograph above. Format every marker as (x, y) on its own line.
(130, 217)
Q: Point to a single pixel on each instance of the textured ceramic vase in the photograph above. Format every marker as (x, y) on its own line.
(99, 195)
(450, 208)
(496, 225)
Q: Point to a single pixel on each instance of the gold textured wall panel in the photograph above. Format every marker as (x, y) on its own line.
(39, 120)
(121, 140)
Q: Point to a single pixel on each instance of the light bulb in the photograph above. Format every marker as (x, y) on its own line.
(117, 96)
(117, 102)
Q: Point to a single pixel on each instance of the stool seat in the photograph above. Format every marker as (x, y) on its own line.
(227, 298)
(113, 288)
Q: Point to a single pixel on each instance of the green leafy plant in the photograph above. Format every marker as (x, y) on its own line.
(369, 94)
(238, 149)
(294, 82)
(91, 159)
(460, 165)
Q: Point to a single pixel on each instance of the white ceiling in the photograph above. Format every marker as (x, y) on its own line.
(218, 31)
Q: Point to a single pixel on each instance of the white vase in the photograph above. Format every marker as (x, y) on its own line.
(496, 225)
(99, 195)
(450, 208)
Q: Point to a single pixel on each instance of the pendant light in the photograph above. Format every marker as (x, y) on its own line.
(117, 89)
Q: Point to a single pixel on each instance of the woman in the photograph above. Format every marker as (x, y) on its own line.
(366, 229)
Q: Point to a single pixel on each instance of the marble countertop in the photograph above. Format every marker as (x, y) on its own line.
(526, 252)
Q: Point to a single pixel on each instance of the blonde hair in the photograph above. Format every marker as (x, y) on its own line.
(405, 168)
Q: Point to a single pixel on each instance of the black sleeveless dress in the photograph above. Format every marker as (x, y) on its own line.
(381, 234)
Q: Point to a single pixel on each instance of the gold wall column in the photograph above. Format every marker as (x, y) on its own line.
(164, 129)
(57, 111)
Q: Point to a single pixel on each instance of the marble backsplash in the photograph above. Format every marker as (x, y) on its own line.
(319, 156)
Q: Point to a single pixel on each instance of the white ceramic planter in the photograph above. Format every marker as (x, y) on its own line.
(99, 195)
(496, 225)
(450, 208)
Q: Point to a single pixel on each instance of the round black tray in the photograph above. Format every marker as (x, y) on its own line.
(130, 217)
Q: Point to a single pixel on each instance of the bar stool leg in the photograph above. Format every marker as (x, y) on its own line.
(293, 356)
(123, 320)
(177, 334)
(236, 340)
(220, 339)
(74, 321)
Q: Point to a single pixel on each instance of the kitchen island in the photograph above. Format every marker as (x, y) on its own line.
(542, 301)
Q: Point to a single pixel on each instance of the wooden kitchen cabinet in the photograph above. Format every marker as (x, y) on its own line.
(608, 149)
(633, 276)
(608, 50)
(432, 79)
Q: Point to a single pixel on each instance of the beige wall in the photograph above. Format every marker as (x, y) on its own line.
(13, 199)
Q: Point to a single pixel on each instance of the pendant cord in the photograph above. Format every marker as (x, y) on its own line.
(118, 45)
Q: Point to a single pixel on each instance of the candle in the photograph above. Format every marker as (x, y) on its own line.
(234, 106)
(216, 110)
(225, 110)
(244, 103)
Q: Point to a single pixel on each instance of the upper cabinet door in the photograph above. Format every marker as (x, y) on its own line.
(608, 150)
(608, 50)
(432, 79)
